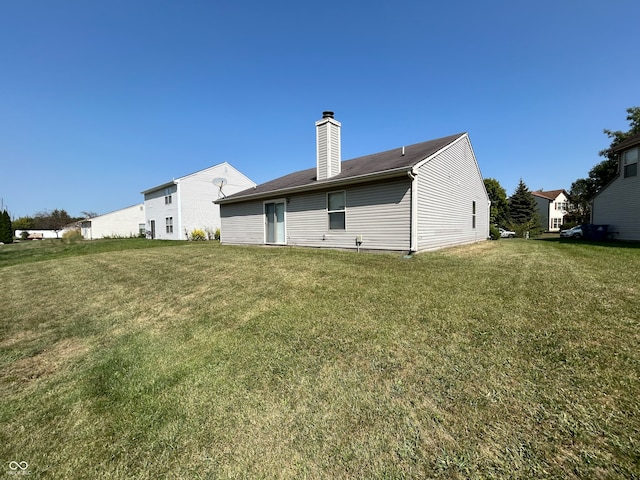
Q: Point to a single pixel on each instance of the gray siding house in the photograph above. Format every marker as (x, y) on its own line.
(413, 198)
(618, 204)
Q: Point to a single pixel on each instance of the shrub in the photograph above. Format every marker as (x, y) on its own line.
(198, 235)
(532, 227)
(494, 232)
(72, 235)
(216, 235)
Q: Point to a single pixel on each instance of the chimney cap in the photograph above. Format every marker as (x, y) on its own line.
(327, 114)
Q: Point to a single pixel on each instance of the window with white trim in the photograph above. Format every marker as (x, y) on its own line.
(169, 224)
(473, 214)
(630, 162)
(167, 200)
(336, 208)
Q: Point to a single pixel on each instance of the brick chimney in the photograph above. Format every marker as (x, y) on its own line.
(328, 146)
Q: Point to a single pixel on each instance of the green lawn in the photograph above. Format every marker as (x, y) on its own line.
(147, 360)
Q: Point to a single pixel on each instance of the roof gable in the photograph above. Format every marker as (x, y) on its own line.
(549, 195)
(175, 181)
(378, 164)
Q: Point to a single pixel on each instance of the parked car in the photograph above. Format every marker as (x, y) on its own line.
(507, 233)
(575, 232)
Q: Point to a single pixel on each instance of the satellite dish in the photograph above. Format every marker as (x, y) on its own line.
(220, 182)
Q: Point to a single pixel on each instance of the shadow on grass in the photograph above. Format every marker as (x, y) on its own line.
(600, 243)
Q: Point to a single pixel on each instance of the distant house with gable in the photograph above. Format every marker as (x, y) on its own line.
(413, 198)
(123, 223)
(552, 208)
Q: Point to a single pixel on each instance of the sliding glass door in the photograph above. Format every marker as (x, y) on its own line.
(274, 222)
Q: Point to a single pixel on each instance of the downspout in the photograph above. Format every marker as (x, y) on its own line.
(413, 227)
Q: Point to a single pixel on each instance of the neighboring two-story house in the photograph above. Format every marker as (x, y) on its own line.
(618, 203)
(552, 207)
(175, 209)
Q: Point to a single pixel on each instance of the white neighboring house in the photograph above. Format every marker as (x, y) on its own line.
(618, 203)
(176, 208)
(413, 198)
(552, 207)
(41, 234)
(123, 223)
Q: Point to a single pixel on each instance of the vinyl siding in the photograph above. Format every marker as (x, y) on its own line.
(544, 206)
(121, 223)
(328, 154)
(156, 209)
(322, 153)
(242, 223)
(380, 212)
(447, 186)
(334, 154)
(618, 206)
(554, 213)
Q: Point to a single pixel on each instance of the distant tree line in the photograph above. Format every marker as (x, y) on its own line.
(55, 220)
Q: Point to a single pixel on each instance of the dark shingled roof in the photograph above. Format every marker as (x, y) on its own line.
(549, 195)
(628, 143)
(370, 165)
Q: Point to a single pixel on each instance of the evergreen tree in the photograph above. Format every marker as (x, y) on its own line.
(523, 211)
(6, 232)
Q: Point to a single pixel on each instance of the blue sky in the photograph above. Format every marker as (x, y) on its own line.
(100, 100)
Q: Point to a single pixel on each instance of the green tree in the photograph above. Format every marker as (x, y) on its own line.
(523, 212)
(23, 223)
(6, 231)
(618, 136)
(582, 190)
(55, 220)
(499, 214)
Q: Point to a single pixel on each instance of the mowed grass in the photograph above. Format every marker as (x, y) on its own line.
(508, 359)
